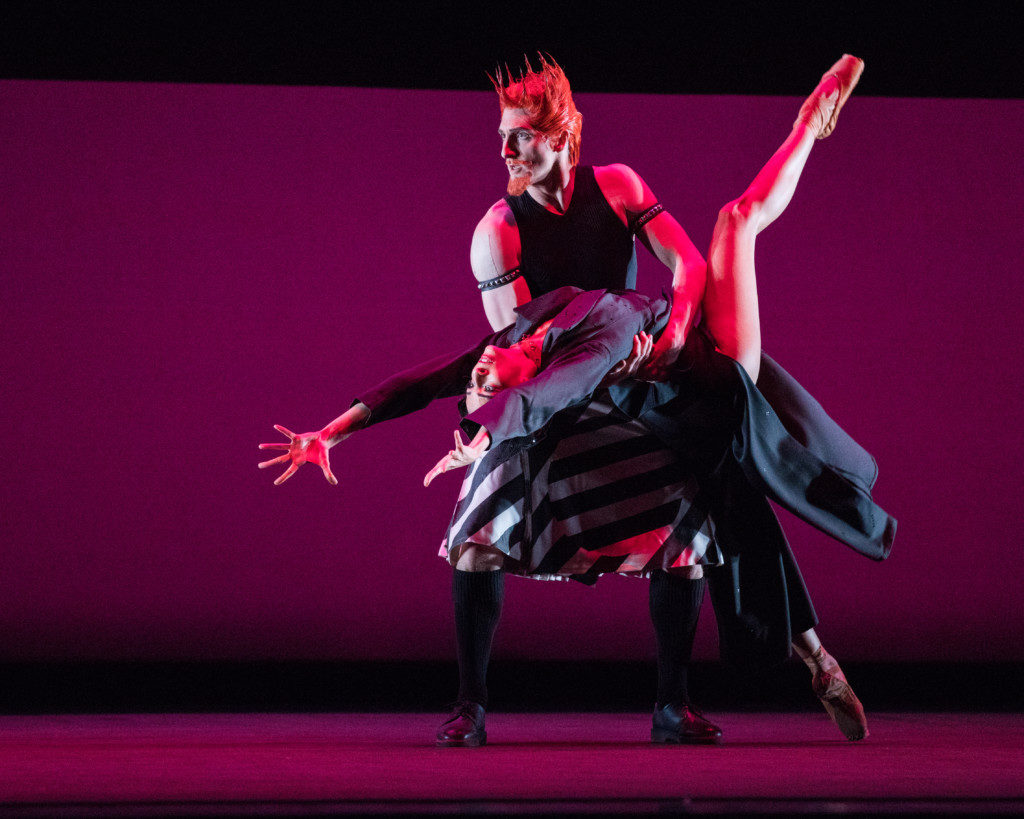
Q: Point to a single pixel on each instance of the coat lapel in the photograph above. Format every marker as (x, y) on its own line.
(568, 306)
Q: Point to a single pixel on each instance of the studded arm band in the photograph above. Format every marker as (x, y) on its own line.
(498, 281)
(646, 216)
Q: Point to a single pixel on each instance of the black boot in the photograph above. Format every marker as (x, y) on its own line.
(464, 728)
(680, 724)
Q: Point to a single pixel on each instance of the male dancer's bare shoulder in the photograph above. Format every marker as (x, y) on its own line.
(494, 255)
(624, 190)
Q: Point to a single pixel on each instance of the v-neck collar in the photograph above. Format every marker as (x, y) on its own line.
(572, 198)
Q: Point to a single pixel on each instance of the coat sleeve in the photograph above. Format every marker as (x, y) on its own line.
(410, 390)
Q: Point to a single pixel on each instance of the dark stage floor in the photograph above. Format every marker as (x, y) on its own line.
(146, 764)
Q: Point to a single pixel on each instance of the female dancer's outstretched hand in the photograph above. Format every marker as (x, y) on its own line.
(462, 455)
(313, 447)
(308, 447)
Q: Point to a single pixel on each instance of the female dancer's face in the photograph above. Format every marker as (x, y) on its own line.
(499, 368)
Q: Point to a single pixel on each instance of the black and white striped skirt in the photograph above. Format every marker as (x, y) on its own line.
(598, 494)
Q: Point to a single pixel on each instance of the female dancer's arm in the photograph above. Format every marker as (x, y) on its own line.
(406, 392)
(314, 447)
(446, 376)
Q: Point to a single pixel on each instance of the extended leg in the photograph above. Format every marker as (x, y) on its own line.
(730, 301)
(731, 313)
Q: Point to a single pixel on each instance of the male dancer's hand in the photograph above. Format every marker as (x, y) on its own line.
(308, 447)
(462, 455)
(632, 365)
(663, 355)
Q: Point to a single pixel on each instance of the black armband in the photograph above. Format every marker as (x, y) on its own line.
(498, 281)
(642, 219)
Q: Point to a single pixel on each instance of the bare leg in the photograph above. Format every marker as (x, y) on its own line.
(806, 643)
(475, 558)
(731, 315)
(730, 301)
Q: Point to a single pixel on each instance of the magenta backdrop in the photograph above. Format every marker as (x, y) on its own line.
(184, 266)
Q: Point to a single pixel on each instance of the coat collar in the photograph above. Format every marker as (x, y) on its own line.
(568, 306)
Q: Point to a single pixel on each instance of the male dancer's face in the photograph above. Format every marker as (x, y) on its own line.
(499, 368)
(528, 154)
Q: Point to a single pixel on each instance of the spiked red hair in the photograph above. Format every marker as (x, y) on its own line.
(547, 99)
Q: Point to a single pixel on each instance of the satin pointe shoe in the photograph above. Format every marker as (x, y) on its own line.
(680, 725)
(830, 686)
(841, 704)
(821, 109)
(464, 728)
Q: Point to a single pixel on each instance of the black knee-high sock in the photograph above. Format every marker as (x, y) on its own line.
(477, 597)
(675, 606)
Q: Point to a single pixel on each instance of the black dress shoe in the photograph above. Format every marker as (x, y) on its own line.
(678, 724)
(464, 728)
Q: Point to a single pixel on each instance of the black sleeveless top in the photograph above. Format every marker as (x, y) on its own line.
(587, 246)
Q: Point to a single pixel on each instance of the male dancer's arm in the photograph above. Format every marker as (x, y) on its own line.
(632, 200)
(495, 253)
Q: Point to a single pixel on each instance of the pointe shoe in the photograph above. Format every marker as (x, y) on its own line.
(836, 695)
(821, 109)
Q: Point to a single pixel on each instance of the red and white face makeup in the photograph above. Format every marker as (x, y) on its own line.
(499, 368)
(527, 153)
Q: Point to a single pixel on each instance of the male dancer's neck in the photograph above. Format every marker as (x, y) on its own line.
(554, 192)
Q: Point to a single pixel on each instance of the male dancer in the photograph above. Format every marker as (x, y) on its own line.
(563, 344)
(568, 225)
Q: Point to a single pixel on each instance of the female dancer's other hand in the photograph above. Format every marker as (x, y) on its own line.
(631, 366)
(307, 447)
(462, 455)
